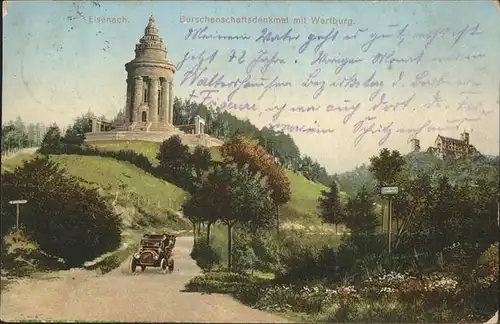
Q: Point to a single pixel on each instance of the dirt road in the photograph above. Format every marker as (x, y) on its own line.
(79, 295)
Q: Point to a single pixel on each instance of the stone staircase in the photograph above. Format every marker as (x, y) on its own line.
(142, 126)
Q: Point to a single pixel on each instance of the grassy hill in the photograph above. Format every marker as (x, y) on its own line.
(141, 198)
(302, 207)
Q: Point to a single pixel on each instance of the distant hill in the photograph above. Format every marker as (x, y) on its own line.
(459, 171)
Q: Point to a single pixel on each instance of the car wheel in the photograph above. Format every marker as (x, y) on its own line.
(133, 264)
(171, 266)
(164, 265)
(143, 268)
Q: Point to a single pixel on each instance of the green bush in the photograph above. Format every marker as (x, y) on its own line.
(64, 218)
(361, 256)
(266, 249)
(243, 254)
(488, 266)
(295, 298)
(306, 257)
(218, 282)
(21, 256)
(485, 285)
(206, 256)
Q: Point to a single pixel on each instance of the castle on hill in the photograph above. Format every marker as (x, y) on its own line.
(149, 107)
(448, 146)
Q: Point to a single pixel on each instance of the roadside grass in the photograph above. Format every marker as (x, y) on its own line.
(112, 260)
(240, 286)
(4, 283)
(22, 257)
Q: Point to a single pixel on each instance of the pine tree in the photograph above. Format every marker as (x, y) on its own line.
(360, 212)
(331, 209)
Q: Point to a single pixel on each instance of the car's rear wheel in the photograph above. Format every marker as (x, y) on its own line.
(133, 264)
(171, 265)
(164, 265)
(143, 267)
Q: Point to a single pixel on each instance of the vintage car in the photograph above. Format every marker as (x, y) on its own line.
(155, 250)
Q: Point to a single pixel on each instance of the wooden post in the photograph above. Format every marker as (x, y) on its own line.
(17, 203)
(17, 216)
(389, 226)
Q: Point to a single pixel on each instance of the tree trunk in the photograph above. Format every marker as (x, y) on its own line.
(208, 232)
(229, 247)
(383, 216)
(194, 233)
(336, 230)
(277, 222)
(199, 230)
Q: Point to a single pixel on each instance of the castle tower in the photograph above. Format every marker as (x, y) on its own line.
(465, 137)
(415, 145)
(150, 99)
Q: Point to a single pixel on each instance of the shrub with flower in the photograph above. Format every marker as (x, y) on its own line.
(307, 299)
(408, 288)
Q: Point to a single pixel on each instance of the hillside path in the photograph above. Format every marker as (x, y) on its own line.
(150, 296)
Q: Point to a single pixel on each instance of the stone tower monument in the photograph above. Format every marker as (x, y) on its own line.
(149, 105)
(150, 100)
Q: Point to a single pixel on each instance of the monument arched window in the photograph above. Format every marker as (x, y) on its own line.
(146, 95)
(144, 116)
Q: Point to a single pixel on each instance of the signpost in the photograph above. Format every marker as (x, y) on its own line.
(390, 192)
(17, 203)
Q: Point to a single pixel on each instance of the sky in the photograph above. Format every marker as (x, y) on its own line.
(345, 79)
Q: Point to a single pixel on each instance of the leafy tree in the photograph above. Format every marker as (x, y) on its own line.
(66, 219)
(201, 159)
(480, 224)
(444, 214)
(332, 210)
(237, 196)
(39, 133)
(278, 181)
(313, 171)
(221, 124)
(195, 209)
(31, 135)
(201, 208)
(174, 160)
(386, 166)
(243, 151)
(184, 112)
(75, 134)
(360, 212)
(9, 140)
(52, 138)
(411, 206)
(14, 135)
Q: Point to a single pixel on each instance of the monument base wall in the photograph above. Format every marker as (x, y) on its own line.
(187, 139)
